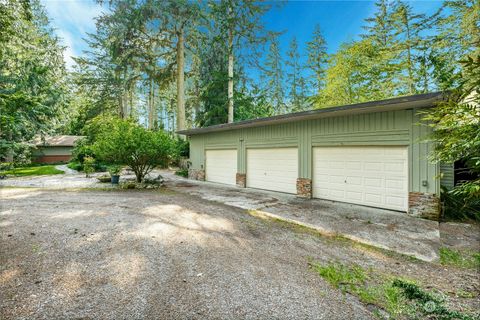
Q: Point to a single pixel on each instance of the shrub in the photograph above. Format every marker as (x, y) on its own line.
(82, 149)
(182, 148)
(461, 203)
(75, 165)
(88, 166)
(182, 173)
(114, 170)
(126, 142)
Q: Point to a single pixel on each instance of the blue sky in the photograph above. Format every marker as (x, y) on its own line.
(340, 21)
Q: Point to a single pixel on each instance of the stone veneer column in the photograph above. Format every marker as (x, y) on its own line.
(424, 205)
(196, 174)
(241, 179)
(304, 188)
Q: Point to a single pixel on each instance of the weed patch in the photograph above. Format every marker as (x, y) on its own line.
(398, 298)
(459, 259)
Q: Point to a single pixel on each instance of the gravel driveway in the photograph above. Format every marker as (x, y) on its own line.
(168, 255)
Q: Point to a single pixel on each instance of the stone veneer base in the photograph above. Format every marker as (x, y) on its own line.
(424, 205)
(196, 174)
(241, 180)
(304, 188)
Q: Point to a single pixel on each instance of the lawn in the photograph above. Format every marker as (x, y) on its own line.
(33, 171)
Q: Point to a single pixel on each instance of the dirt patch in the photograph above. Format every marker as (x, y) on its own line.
(154, 254)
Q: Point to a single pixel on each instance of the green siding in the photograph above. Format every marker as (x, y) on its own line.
(448, 176)
(53, 151)
(390, 128)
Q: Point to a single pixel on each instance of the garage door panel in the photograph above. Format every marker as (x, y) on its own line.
(373, 182)
(354, 181)
(394, 201)
(354, 195)
(221, 166)
(394, 184)
(273, 169)
(375, 176)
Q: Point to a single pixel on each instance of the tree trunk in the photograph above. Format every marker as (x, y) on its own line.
(230, 71)
(411, 81)
(151, 107)
(180, 82)
(120, 97)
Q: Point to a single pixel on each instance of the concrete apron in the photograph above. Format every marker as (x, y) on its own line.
(384, 229)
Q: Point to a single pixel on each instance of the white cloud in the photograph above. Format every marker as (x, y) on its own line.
(72, 19)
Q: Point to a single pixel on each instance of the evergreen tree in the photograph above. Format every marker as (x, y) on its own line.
(317, 59)
(380, 31)
(294, 76)
(33, 85)
(274, 78)
(408, 27)
(241, 29)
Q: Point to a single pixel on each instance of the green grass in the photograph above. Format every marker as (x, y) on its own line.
(459, 259)
(399, 298)
(33, 171)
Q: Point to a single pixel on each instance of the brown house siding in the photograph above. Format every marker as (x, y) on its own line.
(53, 159)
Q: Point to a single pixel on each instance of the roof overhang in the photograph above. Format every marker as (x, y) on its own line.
(426, 100)
(56, 141)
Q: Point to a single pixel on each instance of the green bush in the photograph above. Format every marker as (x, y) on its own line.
(459, 204)
(182, 173)
(126, 142)
(182, 148)
(82, 149)
(114, 170)
(88, 166)
(75, 165)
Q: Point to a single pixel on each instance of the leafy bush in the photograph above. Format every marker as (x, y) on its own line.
(82, 149)
(461, 203)
(182, 173)
(126, 142)
(114, 170)
(456, 132)
(75, 165)
(88, 166)
(182, 148)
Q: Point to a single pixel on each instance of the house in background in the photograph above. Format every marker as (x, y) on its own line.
(54, 149)
(373, 154)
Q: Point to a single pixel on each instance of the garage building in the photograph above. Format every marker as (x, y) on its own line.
(54, 149)
(373, 154)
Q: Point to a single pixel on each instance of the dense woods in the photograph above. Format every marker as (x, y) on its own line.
(179, 64)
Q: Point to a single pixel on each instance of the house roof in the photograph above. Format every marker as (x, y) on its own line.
(56, 141)
(425, 100)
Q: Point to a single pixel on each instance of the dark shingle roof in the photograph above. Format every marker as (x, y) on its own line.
(401, 103)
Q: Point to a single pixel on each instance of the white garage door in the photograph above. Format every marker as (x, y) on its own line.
(221, 166)
(373, 176)
(273, 169)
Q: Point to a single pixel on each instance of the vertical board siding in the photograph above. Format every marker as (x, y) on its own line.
(387, 128)
(448, 175)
